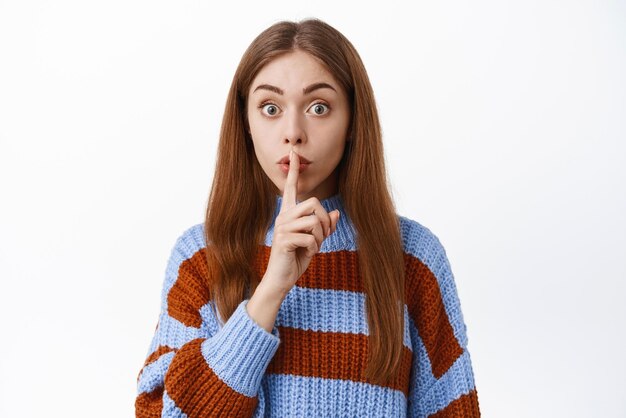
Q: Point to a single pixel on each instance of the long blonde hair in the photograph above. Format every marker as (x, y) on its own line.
(242, 198)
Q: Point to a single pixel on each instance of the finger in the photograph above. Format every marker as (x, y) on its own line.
(290, 191)
(326, 220)
(310, 225)
(318, 232)
(307, 241)
(312, 206)
(335, 219)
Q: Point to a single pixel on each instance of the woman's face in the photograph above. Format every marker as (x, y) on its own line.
(295, 103)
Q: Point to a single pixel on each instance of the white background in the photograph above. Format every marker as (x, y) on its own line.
(504, 128)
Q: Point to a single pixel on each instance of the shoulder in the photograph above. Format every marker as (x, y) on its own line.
(420, 241)
(188, 242)
(189, 246)
(187, 254)
(185, 289)
(426, 259)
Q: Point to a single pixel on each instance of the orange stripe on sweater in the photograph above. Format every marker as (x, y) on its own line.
(331, 355)
(337, 270)
(189, 292)
(464, 407)
(198, 391)
(149, 405)
(426, 308)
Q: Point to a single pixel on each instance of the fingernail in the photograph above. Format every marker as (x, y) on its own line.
(290, 154)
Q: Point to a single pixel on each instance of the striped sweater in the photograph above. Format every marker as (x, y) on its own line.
(312, 362)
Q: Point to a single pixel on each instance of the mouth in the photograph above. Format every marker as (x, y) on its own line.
(284, 167)
(285, 160)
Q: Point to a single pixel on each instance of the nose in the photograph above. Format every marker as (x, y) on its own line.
(294, 130)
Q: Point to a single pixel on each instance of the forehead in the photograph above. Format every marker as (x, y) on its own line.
(293, 71)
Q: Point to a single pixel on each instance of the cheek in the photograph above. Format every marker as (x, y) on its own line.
(332, 151)
(335, 129)
(262, 151)
(329, 138)
(261, 129)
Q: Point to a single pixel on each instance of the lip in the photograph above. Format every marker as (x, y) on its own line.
(285, 167)
(285, 160)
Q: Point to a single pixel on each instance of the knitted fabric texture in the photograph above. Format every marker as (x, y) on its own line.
(312, 362)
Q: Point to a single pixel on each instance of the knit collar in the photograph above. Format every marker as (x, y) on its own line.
(342, 238)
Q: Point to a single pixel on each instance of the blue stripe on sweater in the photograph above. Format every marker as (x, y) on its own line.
(430, 394)
(329, 398)
(152, 375)
(328, 310)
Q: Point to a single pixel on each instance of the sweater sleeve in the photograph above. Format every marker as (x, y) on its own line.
(196, 367)
(442, 380)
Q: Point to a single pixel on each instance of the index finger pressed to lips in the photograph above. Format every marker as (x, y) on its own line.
(290, 192)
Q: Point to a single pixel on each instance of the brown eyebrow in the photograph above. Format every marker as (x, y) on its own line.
(305, 90)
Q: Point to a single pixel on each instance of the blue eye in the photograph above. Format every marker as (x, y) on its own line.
(272, 109)
(320, 107)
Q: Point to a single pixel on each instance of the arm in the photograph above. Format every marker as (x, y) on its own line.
(442, 380)
(264, 305)
(195, 367)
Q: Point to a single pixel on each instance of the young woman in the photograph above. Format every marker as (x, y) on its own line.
(303, 292)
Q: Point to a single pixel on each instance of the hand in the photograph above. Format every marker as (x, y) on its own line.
(299, 231)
